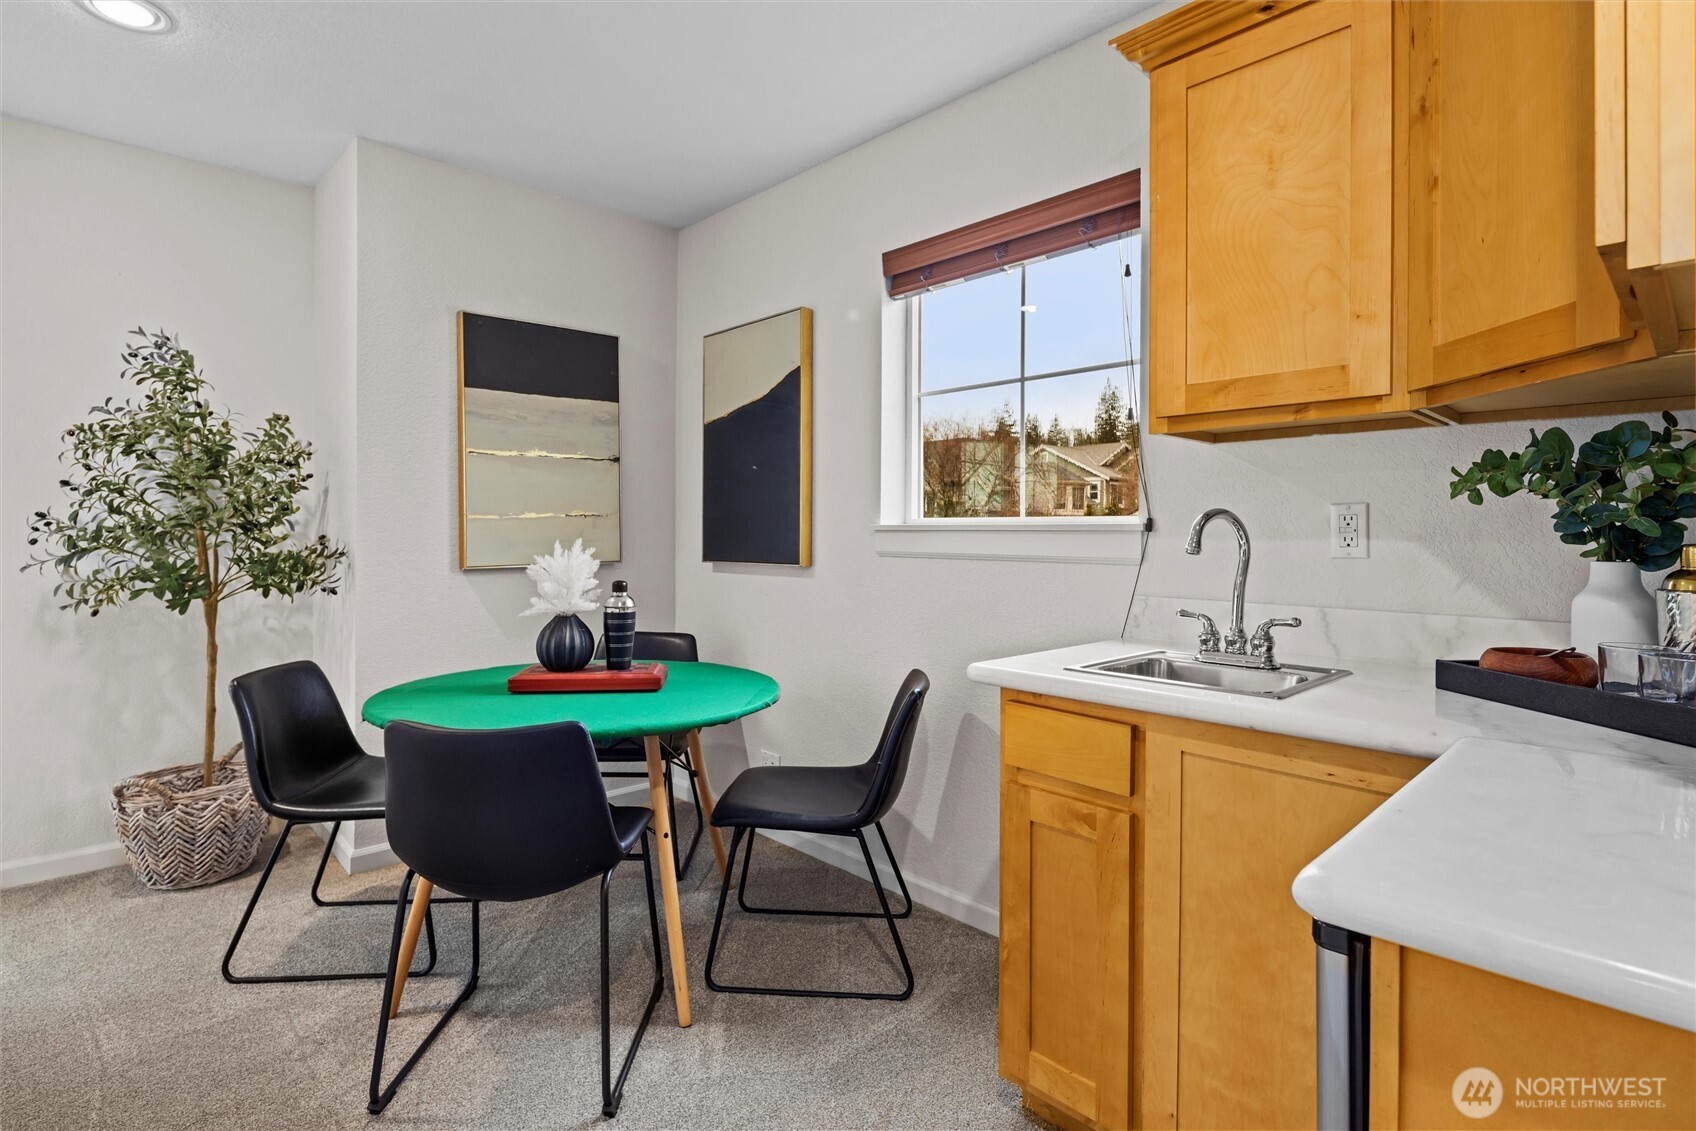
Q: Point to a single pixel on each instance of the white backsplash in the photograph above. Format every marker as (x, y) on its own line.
(1350, 634)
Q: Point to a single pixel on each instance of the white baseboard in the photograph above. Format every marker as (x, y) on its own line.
(34, 869)
(843, 853)
(837, 851)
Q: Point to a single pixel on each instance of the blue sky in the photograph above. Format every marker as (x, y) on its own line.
(972, 333)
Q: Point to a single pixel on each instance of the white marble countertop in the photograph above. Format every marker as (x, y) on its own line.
(1568, 869)
(1554, 852)
(1380, 706)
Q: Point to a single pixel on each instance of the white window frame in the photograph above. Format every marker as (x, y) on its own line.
(903, 531)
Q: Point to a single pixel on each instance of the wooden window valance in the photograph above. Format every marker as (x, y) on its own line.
(1095, 212)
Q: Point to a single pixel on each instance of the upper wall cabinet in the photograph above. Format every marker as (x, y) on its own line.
(1503, 269)
(1645, 115)
(1272, 214)
(1369, 215)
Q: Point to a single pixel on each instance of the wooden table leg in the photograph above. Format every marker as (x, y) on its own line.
(704, 797)
(409, 941)
(668, 877)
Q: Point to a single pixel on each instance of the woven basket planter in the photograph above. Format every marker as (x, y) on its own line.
(179, 834)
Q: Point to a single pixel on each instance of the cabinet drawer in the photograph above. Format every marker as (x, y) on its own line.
(1074, 748)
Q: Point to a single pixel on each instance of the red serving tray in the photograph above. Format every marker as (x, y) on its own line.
(595, 677)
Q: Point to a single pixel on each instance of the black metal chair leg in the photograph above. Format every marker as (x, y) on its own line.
(906, 896)
(671, 808)
(723, 894)
(886, 914)
(380, 1096)
(700, 817)
(612, 1092)
(253, 902)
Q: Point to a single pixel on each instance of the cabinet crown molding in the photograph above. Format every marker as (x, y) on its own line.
(1194, 26)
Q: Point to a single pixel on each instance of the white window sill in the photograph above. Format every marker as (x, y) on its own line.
(1090, 541)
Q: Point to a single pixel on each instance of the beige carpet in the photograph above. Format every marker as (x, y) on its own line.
(113, 1013)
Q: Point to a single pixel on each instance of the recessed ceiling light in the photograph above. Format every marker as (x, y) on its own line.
(131, 15)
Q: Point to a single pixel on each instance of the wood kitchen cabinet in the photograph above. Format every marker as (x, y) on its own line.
(1645, 116)
(1272, 170)
(1372, 215)
(1433, 1019)
(1155, 971)
(1242, 814)
(1503, 267)
(1066, 836)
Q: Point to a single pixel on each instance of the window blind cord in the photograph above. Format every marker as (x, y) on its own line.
(1134, 399)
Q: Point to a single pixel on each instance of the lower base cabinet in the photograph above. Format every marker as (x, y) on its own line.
(1156, 973)
(1554, 1063)
(1154, 970)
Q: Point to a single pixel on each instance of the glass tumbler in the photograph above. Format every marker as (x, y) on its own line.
(1619, 667)
(1667, 675)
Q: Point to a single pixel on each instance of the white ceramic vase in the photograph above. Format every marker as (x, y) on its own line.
(1613, 607)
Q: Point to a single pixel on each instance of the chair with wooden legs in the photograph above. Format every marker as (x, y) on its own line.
(505, 816)
(665, 648)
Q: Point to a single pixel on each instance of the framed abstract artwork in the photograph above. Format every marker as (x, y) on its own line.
(757, 448)
(538, 441)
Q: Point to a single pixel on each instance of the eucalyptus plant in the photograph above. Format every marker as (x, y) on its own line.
(1624, 493)
(167, 497)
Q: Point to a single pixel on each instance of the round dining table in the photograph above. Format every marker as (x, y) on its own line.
(695, 695)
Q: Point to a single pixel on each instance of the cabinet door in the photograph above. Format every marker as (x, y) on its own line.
(1066, 950)
(1231, 827)
(1502, 259)
(1270, 226)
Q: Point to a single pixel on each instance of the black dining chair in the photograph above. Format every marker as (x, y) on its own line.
(665, 648)
(305, 767)
(833, 800)
(505, 816)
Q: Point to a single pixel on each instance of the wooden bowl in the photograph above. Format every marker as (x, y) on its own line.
(1558, 665)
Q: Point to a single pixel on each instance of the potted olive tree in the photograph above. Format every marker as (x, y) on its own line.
(166, 497)
(1625, 495)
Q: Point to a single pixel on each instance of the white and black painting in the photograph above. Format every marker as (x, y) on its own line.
(538, 441)
(756, 483)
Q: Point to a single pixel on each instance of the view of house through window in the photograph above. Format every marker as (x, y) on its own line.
(1023, 391)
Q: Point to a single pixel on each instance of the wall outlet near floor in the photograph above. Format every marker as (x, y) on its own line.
(769, 758)
(1348, 530)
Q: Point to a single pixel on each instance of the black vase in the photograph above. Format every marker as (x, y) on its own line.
(565, 644)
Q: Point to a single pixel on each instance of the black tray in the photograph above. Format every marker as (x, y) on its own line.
(1668, 721)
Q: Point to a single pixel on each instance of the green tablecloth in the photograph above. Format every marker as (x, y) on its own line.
(694, 696)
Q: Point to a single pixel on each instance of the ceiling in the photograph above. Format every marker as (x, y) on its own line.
(667, 111)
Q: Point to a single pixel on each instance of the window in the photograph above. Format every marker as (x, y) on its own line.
(1021, 390)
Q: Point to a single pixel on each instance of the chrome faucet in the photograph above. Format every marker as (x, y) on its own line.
(1237, 647)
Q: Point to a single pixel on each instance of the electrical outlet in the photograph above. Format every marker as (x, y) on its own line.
(1348, 530)
(770, 758)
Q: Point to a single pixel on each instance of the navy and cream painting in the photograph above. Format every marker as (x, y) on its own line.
(756, 483)
(539, 441)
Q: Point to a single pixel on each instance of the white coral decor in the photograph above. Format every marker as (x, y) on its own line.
(565, 582)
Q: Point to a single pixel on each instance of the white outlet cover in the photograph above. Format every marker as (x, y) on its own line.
(1349, 535)
(770, 758)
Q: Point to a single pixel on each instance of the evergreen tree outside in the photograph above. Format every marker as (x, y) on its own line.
(1110, 417)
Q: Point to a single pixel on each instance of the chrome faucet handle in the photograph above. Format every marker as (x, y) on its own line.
(1261, 643)
(1209, 641)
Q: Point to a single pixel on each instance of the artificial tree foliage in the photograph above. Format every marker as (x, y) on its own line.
(1624, 493)
(167, 497)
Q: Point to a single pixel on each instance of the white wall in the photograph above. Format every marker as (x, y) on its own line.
(334, 381)
(336, 306)
(434, 240)
(96, 238)
(839, 636)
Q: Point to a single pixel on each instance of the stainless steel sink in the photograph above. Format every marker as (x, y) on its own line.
(1186, 671)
